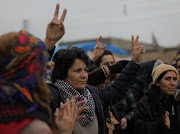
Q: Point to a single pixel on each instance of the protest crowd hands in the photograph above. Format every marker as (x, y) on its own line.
(55, 29)
(166, 119)
(137, 50)
(98, 49)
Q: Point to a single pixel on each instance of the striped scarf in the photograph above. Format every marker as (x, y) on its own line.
(70, 92)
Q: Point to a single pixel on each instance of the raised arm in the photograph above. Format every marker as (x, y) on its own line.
(119, 88)
(98, 49)
(100, 74)
(55, 29)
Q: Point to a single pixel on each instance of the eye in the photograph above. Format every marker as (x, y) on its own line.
(77, 70)
(168, 78)
(175, 78)
(86, 69)
(106, 63)
(112, 62)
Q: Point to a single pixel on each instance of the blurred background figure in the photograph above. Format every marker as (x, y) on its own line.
(177, 56)
(158, 111)
(49, 69)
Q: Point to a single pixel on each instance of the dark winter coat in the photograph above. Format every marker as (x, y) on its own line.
(149, 114)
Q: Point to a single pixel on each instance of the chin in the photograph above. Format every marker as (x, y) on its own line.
(80, 88)
(171, 93)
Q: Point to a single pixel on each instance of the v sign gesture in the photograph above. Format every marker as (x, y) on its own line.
(98, 49)
(136, 50)
(55, 29)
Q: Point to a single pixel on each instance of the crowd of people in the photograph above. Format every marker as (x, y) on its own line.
(78, 94)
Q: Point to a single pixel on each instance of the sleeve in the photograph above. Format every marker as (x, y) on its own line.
(96, 77)
(51, 52)
(131, 105)
(144, 122)
(100, 74)
(55, 103)
(117, 91)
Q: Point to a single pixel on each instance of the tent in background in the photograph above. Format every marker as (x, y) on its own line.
(88, 47)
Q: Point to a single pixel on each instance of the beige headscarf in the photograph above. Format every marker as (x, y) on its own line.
(157, 71)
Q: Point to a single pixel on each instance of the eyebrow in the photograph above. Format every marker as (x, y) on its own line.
(170, 77)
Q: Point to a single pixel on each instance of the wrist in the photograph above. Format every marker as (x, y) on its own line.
(94, 58)
(49, 44)
(135, 60)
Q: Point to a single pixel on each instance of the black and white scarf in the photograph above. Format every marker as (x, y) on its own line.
(70, 92)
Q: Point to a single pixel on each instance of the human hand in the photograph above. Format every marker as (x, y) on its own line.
(80, 110)
(98, 49)
(166, 119)
(65, 117)
(123, 123)
(136, 50)
(55, 29)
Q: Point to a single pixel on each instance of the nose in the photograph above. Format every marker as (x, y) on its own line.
(173, 82)
(83, 73)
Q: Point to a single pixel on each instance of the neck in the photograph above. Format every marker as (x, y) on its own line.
(165, 95)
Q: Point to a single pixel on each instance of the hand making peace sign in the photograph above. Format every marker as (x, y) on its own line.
(136, 50)
(55, 29)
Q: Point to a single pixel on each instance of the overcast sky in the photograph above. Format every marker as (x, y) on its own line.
(87, 19)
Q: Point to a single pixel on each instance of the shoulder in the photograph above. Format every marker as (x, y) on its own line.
(91, 88)
(143, 102)
(177, 95)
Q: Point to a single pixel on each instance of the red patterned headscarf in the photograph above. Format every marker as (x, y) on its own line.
(21, 69)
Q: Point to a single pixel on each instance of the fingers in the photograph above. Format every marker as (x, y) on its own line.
(56, 22)
(137, 38)
(63, 15)
(56, 11)
(80, 103)
(134, 43)
(74, 108)
(166, 114)
(68, 107)
(80, 110)
(100, 39)
(80, 117)
(132, 40)
(141, 49)
(104, 46)
(99, 43)
(75, 97)
(56, 116)
(56, 15)
(122, 125)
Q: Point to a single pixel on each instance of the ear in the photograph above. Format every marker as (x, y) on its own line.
(158, 84)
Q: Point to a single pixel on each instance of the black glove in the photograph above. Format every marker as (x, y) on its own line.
(118, 67)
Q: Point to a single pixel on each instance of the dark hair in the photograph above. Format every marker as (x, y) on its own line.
(92, 68)
(161, 76)
(176, 62)
(178, 52)
(64, 58)
(106, 52)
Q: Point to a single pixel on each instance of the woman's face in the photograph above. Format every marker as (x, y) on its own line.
(178, 66)
(107, 60)
(168, 83)
(77, 75)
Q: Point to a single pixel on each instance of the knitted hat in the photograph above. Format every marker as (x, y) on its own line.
(157, 71)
